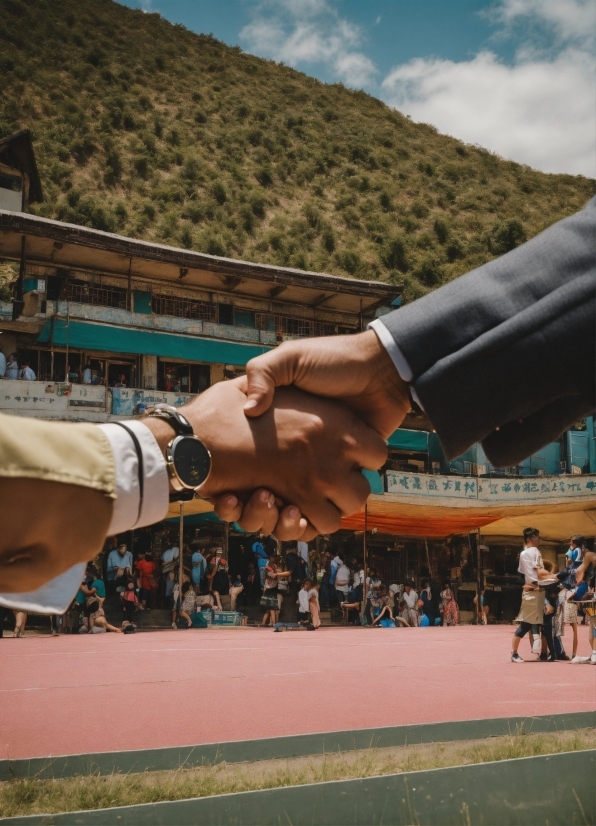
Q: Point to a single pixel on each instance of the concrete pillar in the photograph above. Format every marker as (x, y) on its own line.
(217, 373)
(149, 372)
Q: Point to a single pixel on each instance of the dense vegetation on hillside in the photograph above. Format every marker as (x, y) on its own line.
(146, 129)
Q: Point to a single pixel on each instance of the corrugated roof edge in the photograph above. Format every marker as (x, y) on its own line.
(135, 248)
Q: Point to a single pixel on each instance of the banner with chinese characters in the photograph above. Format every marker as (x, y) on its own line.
(422, 485)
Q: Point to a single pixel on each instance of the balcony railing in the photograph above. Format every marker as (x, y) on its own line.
(185, 308)
(284, 326)
(101, 296)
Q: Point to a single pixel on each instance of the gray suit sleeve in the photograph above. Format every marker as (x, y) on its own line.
(505, 355)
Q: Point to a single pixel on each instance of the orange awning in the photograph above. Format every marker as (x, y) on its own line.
(408, 525)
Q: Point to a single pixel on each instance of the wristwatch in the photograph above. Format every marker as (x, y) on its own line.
(187, 459)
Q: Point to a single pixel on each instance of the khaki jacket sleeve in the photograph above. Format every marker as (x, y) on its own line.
(74, 454)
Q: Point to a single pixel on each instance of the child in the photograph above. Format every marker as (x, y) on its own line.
(313, 602)
(189, 602)
(304, 602)
(130, 600)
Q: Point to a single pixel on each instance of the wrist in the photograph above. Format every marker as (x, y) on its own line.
(392, 392)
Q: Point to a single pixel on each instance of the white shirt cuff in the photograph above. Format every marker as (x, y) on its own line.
(55, 596)
(396, 355)
(155, 486)
(52, 598)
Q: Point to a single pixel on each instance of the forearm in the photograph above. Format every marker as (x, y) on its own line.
(51, 475)
(498, 345)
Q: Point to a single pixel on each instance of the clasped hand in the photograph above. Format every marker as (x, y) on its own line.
(289, 462)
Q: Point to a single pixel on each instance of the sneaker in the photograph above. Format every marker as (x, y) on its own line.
(174, 626)
(581, 660)
(515, 658)
(593, 658)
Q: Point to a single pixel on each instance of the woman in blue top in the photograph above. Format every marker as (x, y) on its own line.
(199, 566)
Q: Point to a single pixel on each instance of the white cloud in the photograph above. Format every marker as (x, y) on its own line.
(540, 110)
(567, 19)
(303, 32)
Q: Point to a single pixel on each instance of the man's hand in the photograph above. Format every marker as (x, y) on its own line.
(355, 369)
(265, 513)
(305, 450)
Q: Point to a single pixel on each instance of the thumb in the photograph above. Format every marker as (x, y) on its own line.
(260, 388)
(264, 373)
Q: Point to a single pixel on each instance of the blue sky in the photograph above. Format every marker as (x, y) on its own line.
(515, 76)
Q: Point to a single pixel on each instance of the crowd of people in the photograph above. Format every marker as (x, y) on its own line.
(551, 600)
(15, 369)
(342, 588)
(306, 583)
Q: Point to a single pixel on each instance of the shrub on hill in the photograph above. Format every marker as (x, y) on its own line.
(147, 129)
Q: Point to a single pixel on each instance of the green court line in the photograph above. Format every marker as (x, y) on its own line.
(299, 745)
(550, 789)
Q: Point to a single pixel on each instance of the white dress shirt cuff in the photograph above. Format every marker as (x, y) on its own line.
(396, 355)
(126, 514)
(52, 598)
(55, 596)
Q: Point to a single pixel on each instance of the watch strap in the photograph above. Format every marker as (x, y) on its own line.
(173, 417)
(186, 495)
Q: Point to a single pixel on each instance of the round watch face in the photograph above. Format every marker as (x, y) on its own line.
(192, 460)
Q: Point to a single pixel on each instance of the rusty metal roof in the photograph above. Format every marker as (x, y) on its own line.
(70, 246)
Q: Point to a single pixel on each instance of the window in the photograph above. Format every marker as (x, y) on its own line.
(184, 308)
(84, 293)
(288, 326)
(175, 377)
(11, 182)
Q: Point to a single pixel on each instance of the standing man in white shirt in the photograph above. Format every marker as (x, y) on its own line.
(342, 580)
(26, 373)
(12, 367)
(530, 559)
(531, 567)
(2, 364)
(169, 557)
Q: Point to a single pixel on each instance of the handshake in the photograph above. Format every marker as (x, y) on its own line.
(289, 440)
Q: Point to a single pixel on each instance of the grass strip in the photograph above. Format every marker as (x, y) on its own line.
(31, 796)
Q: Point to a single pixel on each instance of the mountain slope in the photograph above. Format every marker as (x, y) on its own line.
(146, 129)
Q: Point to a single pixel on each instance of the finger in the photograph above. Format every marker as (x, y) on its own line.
(270, 521)
(228, 507)
(351, 495)
(309, 533)
(323, 515)
(257, 512)
(364, 446)
(293, 527)
(290, 525)
(265, 373)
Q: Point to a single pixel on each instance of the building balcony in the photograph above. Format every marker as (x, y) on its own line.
(160, 323)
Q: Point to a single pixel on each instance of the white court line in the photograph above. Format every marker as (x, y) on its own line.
(223, 649)
(159, 682)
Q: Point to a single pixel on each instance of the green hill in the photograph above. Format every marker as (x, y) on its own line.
(146, 129)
